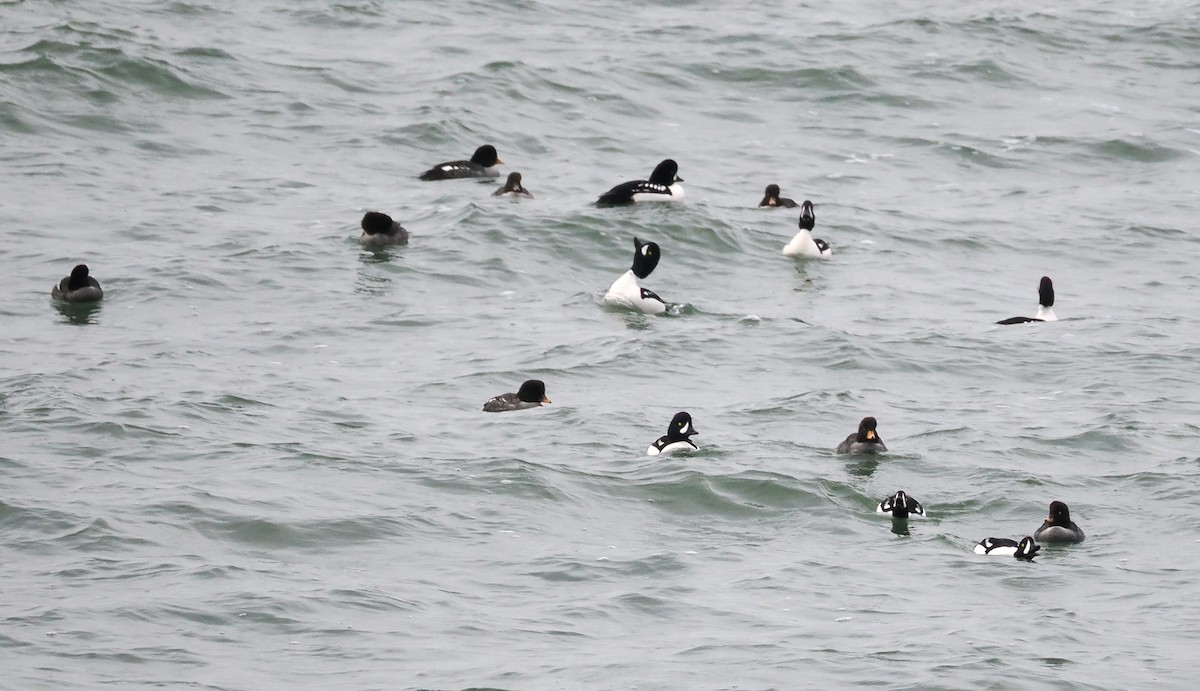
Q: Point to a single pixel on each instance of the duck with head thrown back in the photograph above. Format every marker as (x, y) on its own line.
(1045, 310)
(1025, 548)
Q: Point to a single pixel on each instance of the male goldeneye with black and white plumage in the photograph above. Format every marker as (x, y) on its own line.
(626, 292)
(676, 438)
(513, 187)
(663, 185)
(532, 394)
(1058, 526)
(1026, 549)
(1045, 311)
(900, 505)
(380, 230)
(78, 287)
(771, 198)
(865, 440)
(803, 244)
(482, 165)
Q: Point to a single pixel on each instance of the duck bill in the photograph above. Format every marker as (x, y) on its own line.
(870, 436)
(545, 399)
(499, 160)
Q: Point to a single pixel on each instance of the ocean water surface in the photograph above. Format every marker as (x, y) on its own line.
(261, 461)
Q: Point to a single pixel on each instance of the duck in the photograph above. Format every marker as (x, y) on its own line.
(865, 440)
(1045, 311)
(900, 505)
(663, 185)
(513, 186)
(78, 287)
(532, 394)
(804, 244)
(380, 230)
(626, 292)
(676, 439)
(1025, 549)
(482, 165)
(771, 198)
(1058, 526)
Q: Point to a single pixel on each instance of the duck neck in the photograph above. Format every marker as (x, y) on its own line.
(1046, 314)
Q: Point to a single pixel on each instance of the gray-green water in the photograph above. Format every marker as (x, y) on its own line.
(261, 463)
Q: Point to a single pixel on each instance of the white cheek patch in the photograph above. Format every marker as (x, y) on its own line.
(685, 428)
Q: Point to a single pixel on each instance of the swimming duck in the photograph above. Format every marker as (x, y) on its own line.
(78, 287)
(380, 230)
(532, 394)
(513, 187)
(482, 165)
(1026, 549)
(772, 198)
(663, 185)
(626, 292)
(1045, 311)
(676, 438)
(804, 244)
(900, 505)
(866, 440)
(1058, 526)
